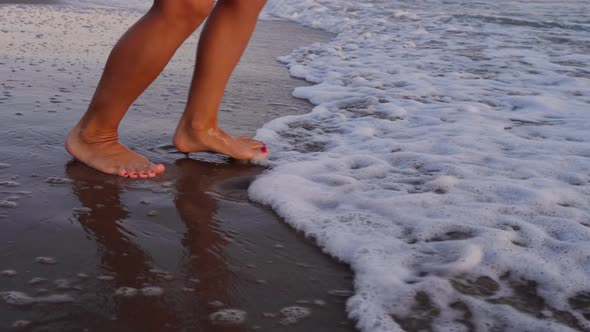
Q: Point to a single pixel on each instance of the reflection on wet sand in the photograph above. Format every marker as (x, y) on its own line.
(205, 270)
(168, 254)
(204, 240)
(120, 257)
(240, 252)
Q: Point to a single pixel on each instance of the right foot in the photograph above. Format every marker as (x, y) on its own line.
(188, 140)
(109, 156)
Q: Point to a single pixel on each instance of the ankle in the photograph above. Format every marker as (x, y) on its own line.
(91, 135)
(200, 125)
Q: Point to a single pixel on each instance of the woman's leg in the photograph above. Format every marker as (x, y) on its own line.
(135, 61)
(223, 40)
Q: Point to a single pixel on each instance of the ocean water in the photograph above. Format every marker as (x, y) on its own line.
(447, 159)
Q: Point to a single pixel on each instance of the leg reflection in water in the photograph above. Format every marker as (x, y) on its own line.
(120, 258)
(205, 240)
(204, 278)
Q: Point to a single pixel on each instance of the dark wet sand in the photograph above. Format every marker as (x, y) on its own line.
(192, 232)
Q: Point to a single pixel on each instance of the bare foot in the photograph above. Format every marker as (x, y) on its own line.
(109, 156)
(187, 140)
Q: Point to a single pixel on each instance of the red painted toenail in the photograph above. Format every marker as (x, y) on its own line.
(263, 149)
(125, 174)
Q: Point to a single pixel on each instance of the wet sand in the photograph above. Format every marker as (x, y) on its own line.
(98, 253)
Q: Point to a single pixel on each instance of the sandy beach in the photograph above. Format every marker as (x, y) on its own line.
(445, 161)
(187, 251)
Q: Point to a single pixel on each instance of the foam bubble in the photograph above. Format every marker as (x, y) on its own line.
(21, 299)
(294, 314)
(319, 302)
(17, 298)
(37, 281)
(58, 181)
(340, 292)
(62, 284)
(126, 291)
(20, 324)
(9, 184)
(216, 304)
(55, 298)
(152, 291)
(8, 204)
(8, 273)
(105, 277)
(82, 210)
(228, 316)
(46, 260)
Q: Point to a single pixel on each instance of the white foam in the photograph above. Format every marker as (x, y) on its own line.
(126, 291)
(82, 210)
(19, 324)
(229, 316)
(46, 260)
(152, 291)
(16, 298)
(449, 139)
(105, 277)
(58, 180)
(55, 298)
(8, 204)
(8, 273)
(319, 302)
(9, 184)
(37, 281)
(63, 284)
(293, 314)
(216, 304)
(21, 299)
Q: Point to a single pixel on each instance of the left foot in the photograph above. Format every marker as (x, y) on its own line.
(104, 153)
(214, 139)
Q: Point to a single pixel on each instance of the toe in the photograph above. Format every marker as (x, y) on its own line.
(123, 173)
(110, 170)
(145, 172)
(133, 174)
(252, 142)
(158, 168)
(263, 153)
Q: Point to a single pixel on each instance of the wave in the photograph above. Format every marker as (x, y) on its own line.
(447, 162)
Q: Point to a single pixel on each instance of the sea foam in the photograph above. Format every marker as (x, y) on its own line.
(446, 160)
